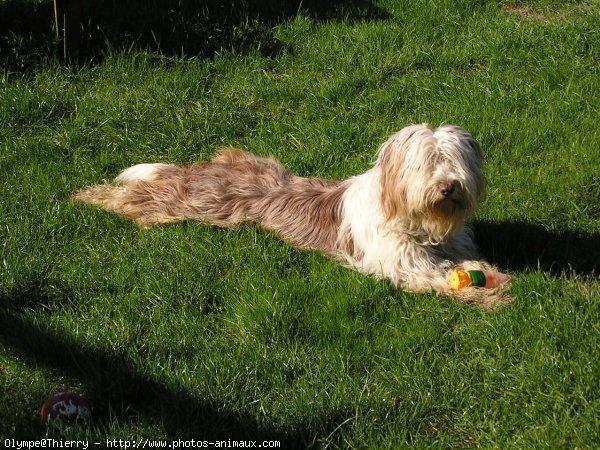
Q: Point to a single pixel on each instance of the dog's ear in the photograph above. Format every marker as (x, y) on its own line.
(390, 161)
(473, 158)
(475, 164)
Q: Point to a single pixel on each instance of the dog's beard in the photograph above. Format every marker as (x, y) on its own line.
(435, 222)
(443, 219)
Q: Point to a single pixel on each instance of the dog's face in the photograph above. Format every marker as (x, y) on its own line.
(430, 179)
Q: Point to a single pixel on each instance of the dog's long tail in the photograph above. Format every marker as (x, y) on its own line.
(139, 195)
(221, 192)
(234, 187)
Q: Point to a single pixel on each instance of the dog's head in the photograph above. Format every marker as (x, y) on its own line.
(430, 179)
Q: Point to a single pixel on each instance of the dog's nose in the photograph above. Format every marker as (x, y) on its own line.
(446, 188)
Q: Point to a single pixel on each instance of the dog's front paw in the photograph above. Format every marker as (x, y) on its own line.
(485, 298)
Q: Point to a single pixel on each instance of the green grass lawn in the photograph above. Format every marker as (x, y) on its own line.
(188, 331)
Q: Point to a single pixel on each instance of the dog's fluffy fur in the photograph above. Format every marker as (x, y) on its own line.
(403, 219)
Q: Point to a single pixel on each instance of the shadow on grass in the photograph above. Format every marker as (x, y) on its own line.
(188, 27)
(520, 246)
(113, 388)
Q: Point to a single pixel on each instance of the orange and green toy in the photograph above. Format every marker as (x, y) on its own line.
(460, 279)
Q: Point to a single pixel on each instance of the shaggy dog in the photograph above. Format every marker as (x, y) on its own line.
(403, 219)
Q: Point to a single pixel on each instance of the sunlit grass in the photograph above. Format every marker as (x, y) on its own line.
(191, 331)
